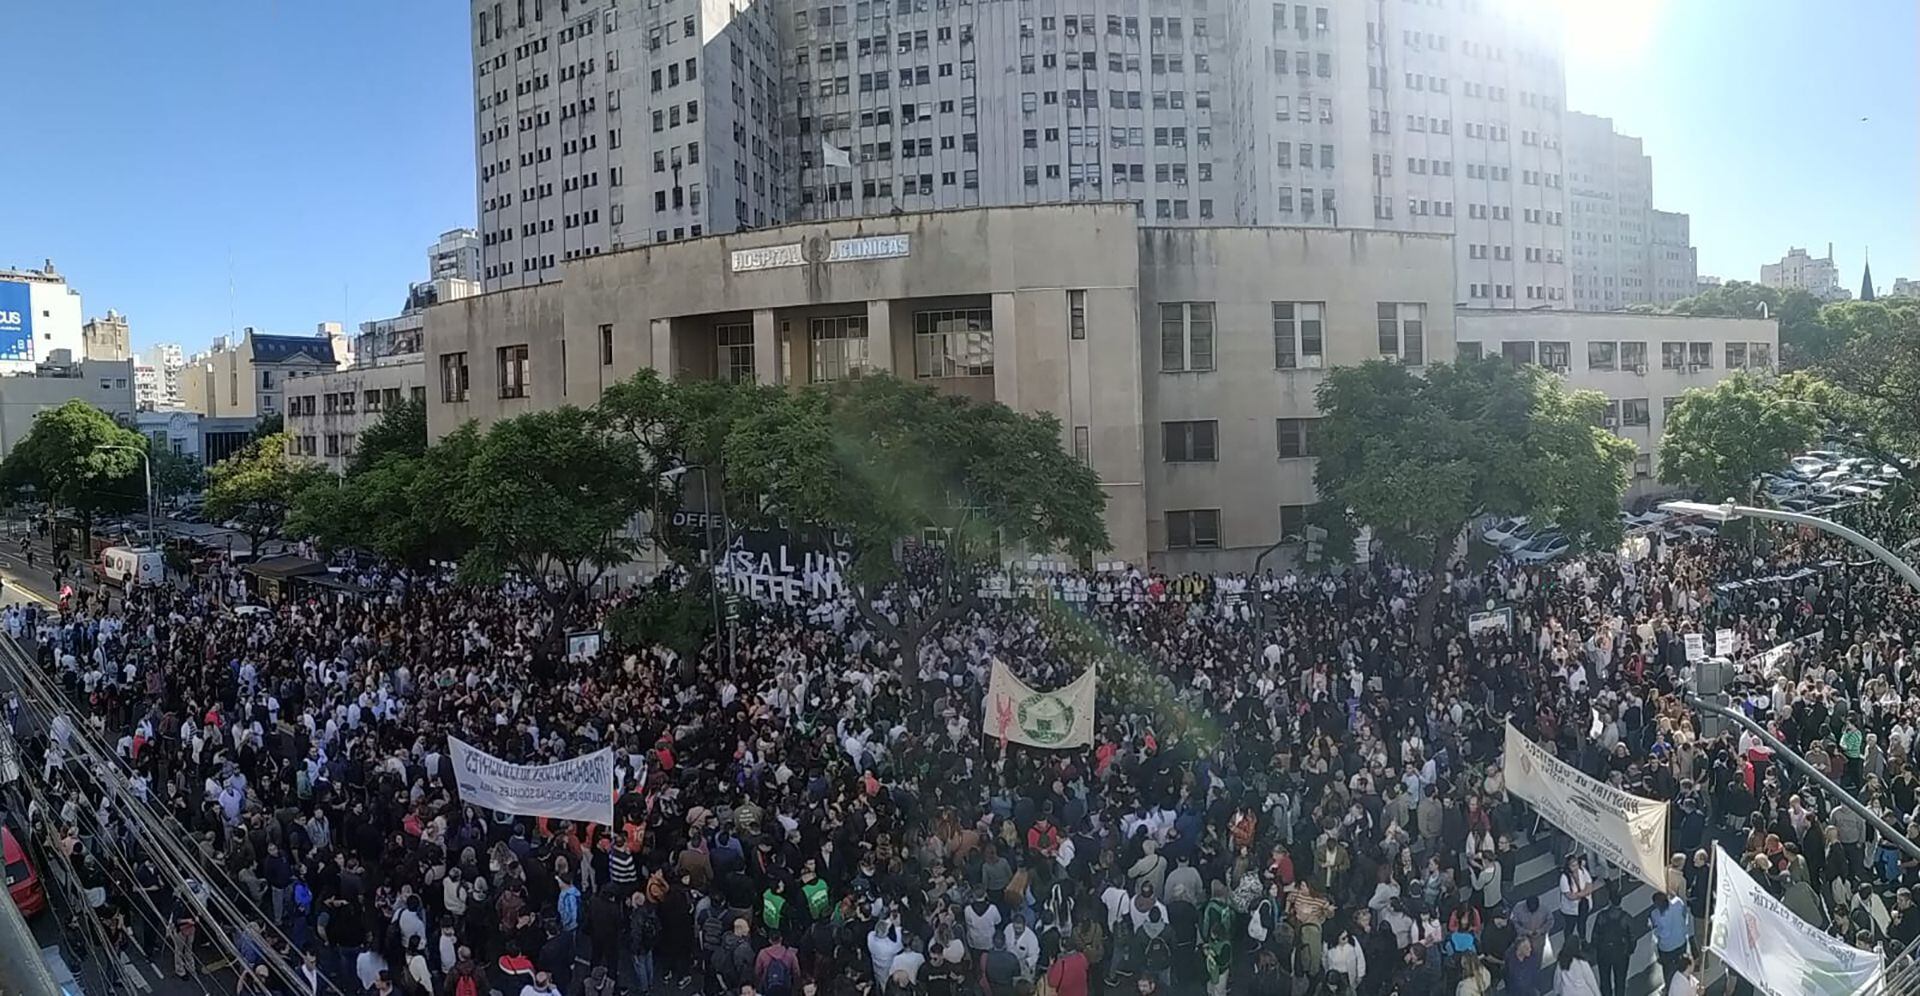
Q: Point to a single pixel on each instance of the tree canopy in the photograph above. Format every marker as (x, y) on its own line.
(255, 488)
(401, 431)
(1418, 458)
(1720, 439)
(1805, 338)
(76, 456)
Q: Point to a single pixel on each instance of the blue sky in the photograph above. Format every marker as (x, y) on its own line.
(277, 164)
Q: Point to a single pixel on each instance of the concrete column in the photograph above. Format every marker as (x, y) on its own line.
(766, 348)
(1006, 366)
(880, 338)
(663, 359)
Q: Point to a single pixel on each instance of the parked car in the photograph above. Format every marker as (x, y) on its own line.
(1500, 529)
(1544, 547)
(1522, 536)
(23, 882)
(1808, 466)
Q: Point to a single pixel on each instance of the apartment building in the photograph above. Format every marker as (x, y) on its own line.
(39, 316)
(1395, 115)
(248, 379)
(600, 126)
(1799, 270)
(455, 255)
(1180, 361)
(327, 410)
(1642, 363)
(1624, 252)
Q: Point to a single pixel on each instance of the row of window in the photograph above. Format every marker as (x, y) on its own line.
(1299, 334)
(1198, 441)
(1630, 357)
(375, 400)
(1199, 528)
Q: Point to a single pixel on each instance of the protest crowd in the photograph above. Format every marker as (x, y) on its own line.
(1287, 790)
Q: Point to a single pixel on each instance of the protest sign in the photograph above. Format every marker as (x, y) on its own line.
(580, 788)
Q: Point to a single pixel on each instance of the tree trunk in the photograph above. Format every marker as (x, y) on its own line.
(910, 635)
(1430, 598)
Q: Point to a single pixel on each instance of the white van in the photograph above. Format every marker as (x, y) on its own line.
(124, 565)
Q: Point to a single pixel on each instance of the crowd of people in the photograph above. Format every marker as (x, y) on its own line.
(1291, 788)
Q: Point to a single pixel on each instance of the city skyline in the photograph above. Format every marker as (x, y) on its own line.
(321, 205)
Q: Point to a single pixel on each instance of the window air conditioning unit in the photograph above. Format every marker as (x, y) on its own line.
(1311, 362)
(1610, 422)
(1640, 368)
(1696, 367)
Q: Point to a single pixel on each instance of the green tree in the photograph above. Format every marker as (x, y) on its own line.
(549, 496)
(1419, 458)
(174, 474)
(1720, 439)
(255, 487)
(270, 424)
(77, 457)
(889, 464)
(1867, 393)
(402, 431)
(401, 508)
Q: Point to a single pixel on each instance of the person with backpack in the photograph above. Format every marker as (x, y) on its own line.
(1153, 946)
(777, 969)
(643, 936)
(733, 958)
(1612, 946)
(1216, 938)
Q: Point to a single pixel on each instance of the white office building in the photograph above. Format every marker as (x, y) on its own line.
(1798, 270)
(1624, 252)
(599, 128)
(455, 256)
(39, 315)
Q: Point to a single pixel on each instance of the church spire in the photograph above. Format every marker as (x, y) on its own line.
(1866, 281)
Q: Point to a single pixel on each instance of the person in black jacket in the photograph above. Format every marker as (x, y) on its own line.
(1612, 947)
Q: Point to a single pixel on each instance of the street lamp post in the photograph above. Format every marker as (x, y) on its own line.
(146, 469)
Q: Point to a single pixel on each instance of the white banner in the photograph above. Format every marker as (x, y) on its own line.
(1723, 643)
(1627, 830)
(1771, 947)
(1018, 713)
(1500, 619)
(1696, 647)
(580, 788)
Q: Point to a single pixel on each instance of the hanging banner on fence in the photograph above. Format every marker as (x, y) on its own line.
(1723, 643)
(1696, 647)
(1771, 947)
(1769, 661)
(577, 789)
(1627, 830)
(1017, 713)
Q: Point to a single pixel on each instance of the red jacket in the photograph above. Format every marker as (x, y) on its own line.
(1068, 974)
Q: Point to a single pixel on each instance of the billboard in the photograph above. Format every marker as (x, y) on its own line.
(16, 320)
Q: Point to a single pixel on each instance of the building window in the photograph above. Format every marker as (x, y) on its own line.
(1633, 357)
(1082, 445)
(1298, 334)
(417, 392)
(956, 343)
(1299, 437)
(1293, 522)
(839, 347)
(333, 445)
(1643, 465)
(1634, 411)
(512, 365)
(1186, 337)
(453, 377)
(1760, 355)
(1197, 528)
(735, 360)
(1556, 356)
(1077, 314)
(1673, 356)
(1190, 442)
(1700, 355)
(1466, 351)
(606, 345)
(1736, 356)
(1403, 332)
(372, 401)
(1602, 355)
(1517, 353)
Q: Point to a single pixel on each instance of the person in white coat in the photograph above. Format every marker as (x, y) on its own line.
(1345, 956)
(1575, 975)
(1025, 945)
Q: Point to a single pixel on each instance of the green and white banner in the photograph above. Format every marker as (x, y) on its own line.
(1771, 947)
(1017, 713)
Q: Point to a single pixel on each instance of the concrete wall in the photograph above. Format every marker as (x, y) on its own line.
(661, 305)
(1242, 272)
(107, 385)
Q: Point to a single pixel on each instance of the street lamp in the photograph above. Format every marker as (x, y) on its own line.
(1727, 511)
(146, 468)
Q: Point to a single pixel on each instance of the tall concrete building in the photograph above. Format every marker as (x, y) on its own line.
(1798, 270)
(455, 256)
(599, 128)
(1624, 251)
(39, 316)
(163, 363)
(107, 337)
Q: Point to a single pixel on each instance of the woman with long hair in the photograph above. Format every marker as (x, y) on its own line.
(1573, 974)
(1576, 886)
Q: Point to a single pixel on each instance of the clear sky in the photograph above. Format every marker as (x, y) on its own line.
(224, 163)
